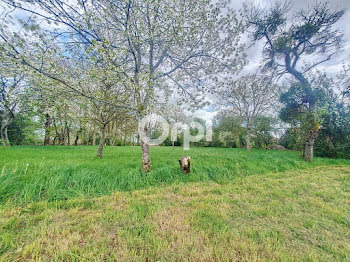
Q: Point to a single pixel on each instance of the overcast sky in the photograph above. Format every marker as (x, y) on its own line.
(254, 53)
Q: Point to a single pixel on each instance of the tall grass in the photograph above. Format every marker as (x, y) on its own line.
(52, 208)
(29, 174)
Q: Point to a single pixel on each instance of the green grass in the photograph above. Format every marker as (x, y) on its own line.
(64, 204)
(29, 174)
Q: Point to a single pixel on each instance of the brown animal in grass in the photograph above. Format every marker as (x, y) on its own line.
(185, 164)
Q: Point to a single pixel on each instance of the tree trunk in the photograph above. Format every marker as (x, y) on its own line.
(102, 142)
(57, 137)
(173, 144)
(249, 146)
(4, 135)
(94, 137)
(6, 138)
(330, 143)
(3, 130)
(77, 136)
(47, 129)
(76, 139)
(61, 137)
(68, 136)
(309, 150)
(146, 159)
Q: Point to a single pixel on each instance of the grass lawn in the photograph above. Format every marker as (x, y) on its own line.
(64, 204)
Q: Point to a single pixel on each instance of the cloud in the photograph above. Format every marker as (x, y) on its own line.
(205, 114)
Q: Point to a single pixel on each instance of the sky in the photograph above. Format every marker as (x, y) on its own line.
(254, 53)
(254, 56)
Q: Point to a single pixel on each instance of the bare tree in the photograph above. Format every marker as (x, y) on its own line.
(111, 95)
(249, 97)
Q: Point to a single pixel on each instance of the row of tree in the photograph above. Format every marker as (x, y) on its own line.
(121, 59)
(88, 71)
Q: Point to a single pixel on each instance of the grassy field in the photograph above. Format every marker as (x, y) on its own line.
(64, 204)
